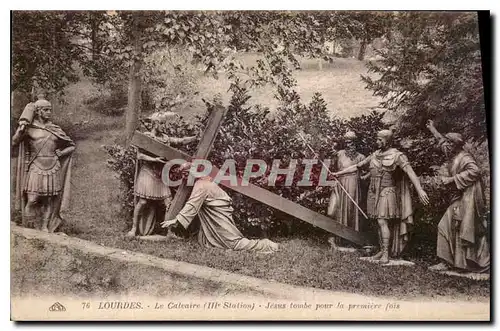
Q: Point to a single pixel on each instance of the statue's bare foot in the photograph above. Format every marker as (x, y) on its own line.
(44, 229)
(131, 233)
(384, 259)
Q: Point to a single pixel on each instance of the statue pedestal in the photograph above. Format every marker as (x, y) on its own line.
(391, 263)
(345, 249)
(470, 275)
(154, 237)
(157, 237)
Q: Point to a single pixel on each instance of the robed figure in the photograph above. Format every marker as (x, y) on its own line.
(389, 200)
(213, 207)
(340, 206)
(462, 241)
(43, 169)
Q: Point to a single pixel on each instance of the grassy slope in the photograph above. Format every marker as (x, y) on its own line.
(95, 212)
(78, 274)
(338, 82)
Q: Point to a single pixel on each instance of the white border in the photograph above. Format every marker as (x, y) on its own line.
(200, 4)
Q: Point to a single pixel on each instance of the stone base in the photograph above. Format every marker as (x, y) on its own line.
(157, 237)
(154, 237)
(391, 262)
(470, 275)
(345, 249)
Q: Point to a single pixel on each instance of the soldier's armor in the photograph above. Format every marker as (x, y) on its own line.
(44, 170)
(382, 199)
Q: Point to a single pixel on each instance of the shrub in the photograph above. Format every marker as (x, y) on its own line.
(111, 101)
(251, 132)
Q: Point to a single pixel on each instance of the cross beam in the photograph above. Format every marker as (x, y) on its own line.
(259, 194)
(202, 150)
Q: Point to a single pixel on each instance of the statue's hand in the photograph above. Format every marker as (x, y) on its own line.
(429, 124)
(446, 180)
(168, 224)
(423, 197)
(58, 153)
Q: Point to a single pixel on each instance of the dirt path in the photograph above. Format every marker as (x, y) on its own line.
(95, 191)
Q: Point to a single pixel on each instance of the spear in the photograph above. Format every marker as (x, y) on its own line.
(338, 182)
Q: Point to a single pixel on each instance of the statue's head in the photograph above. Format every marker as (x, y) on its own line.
(159, 119)
(453, 144)
(349, 139)
(384, 139)
(184, 169)
(43, 109)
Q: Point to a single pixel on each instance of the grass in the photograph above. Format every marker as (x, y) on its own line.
(339, 83)
(77, 274)
(96, 213)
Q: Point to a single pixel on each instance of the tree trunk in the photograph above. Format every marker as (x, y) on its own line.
(362, 49)
(135, 83)
(93, 36)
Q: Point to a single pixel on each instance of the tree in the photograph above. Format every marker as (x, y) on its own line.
(432, 69)
(213, 37)
(370, 25)
(46, 45)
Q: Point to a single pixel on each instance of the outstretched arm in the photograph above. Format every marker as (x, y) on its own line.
(191, 208)
(142, 156)
(174, 140)
(416, 182)
(354, 167)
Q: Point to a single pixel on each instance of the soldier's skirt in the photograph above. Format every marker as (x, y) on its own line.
(43, 182)
(149, 185)
(386, 207)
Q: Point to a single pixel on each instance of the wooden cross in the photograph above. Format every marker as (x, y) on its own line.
(254, 192)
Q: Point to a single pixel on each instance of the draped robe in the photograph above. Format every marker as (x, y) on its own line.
(462, 240)
(346, 212)
(217, 229)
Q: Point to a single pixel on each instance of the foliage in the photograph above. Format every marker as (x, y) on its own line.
(46, 45)
(169, 79)
(42, 50)
(248, 133)
(108, 101)
(432, 69)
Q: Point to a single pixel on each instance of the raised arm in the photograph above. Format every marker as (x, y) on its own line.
(174, 140)
(433, 130)
(20, 134)
(142, 156)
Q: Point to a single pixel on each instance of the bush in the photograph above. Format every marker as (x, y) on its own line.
(110, 101)
(251, 132)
